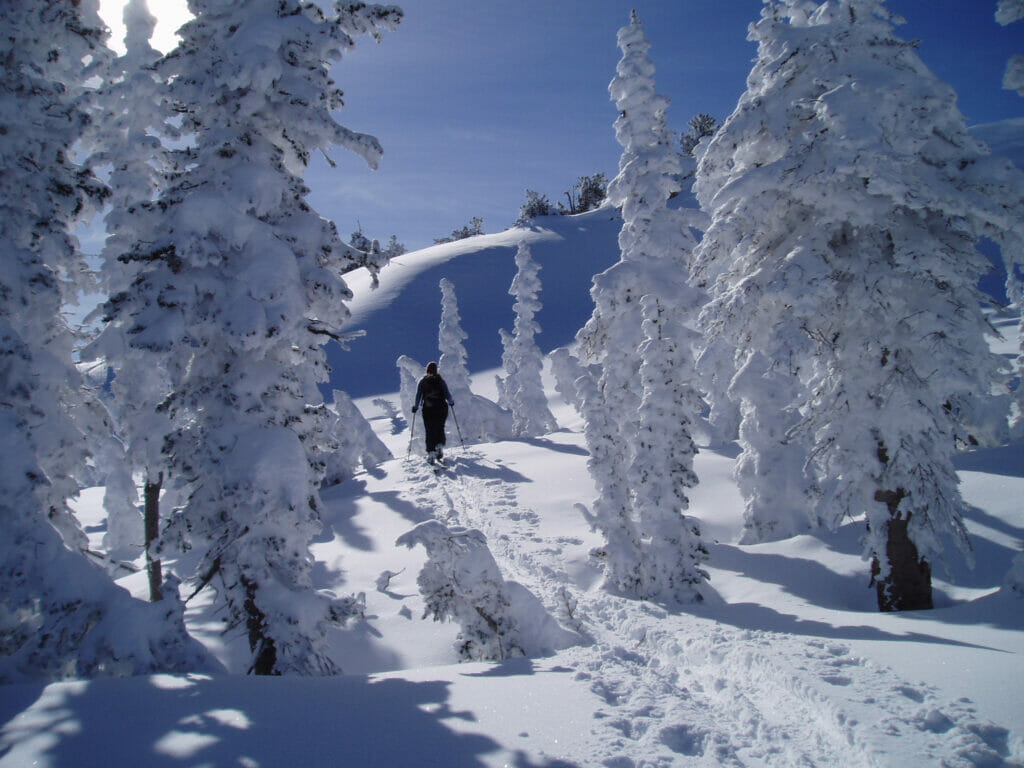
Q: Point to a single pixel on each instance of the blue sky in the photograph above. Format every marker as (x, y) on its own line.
(476, 101)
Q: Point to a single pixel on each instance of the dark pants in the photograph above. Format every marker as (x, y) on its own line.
(434, 418)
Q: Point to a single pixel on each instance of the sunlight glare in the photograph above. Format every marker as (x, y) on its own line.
(170, 15)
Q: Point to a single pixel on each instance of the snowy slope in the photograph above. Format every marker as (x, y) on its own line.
(789, 664)
(401, 316)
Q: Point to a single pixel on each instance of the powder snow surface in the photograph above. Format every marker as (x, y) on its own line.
(787, 664)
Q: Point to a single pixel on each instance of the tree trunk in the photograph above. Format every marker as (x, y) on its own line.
(263, 648)
(908, 587)
(151, 521)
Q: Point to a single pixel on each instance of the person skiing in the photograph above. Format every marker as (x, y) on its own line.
(433, 393)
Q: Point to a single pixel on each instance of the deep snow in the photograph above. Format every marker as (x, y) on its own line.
(788, 664)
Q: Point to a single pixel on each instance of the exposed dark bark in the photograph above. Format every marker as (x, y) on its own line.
(151, 521)
(264, 651)
(908, 586)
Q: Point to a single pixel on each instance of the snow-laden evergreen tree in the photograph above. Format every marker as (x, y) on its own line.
(662, 466)
(1012, 243)
(134, 117)
(60, 614)
(410, 372)
(655, 244)
(1007, 12)
(567, 370)
(846, 197)
(479, 419)
(238, 286)
(771, 470)
(521, 389)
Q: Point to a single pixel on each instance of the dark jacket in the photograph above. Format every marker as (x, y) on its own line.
(432, 391)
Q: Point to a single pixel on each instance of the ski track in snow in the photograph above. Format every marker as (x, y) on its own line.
(679, 688)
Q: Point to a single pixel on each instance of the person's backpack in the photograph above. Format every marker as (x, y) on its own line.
(433, 392)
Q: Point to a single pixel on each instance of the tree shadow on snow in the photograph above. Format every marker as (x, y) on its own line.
(338, 513)
(982, 517)
(551, 445)
(760, 617)
(808, 579)
(393, 500)
(474, 465)
(804, 578)
(508, 668)
(171, 722)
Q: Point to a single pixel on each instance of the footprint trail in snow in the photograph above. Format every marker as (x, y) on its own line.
(677, 687)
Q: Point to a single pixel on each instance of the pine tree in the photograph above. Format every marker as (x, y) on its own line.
(1007, 12)
(135, 116)
(655, 243)
(479, 419)
(662, 468)
(846, 196)
(521, 389)
(239, 286)
(61, 616)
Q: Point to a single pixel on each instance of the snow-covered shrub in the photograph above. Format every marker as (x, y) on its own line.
(536, 205)
(355, 441)
(461, 581)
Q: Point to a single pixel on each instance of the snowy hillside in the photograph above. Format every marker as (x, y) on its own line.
(788, 664)
(569, 250)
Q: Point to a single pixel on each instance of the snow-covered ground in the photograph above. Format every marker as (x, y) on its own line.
(788, 664)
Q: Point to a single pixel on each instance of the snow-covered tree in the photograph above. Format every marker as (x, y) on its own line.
(846, 197)
(701, 126)
(520, 389)
(770, 471)
(239, 285)
(655, 243)
(460, 581)
(134, 115)
(662, 466)
(536, 205)
(1007, 12)
(567, 370)
(479, 419)
(410, 372)
(60, 616)
(585, 195)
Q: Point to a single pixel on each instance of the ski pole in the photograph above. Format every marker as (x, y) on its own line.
(412, 435)
(461, 441)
